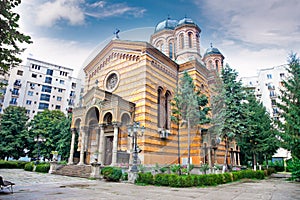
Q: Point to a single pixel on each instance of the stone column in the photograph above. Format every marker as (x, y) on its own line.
(115, 144)
(101, 145)
(234, 158)
(83, 132)
(73, 130)
(238, 157)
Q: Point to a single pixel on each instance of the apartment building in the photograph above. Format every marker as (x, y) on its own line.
(39, 85)
(266, 86)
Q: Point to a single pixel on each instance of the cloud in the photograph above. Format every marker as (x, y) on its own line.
(74, 12)
(50, 12)
(255, 22)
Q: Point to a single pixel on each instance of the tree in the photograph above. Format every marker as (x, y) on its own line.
(290, 108)
(10, 36)
(54, 126)
(260, 138)
(229, 118)
(189, 106)
(14, 135)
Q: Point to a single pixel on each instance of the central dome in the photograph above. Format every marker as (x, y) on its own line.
(166, 24)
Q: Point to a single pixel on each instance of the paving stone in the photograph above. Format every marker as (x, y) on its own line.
(33, 186)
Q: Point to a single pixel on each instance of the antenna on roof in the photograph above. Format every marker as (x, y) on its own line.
(169, 17)
(211, 46)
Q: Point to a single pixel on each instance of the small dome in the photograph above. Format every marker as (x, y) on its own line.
(212, 50)
(186, 21)
(166, 24)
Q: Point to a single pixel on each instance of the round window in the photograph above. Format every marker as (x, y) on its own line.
(111, 81)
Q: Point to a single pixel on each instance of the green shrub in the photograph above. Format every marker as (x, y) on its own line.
(43, 167)
(163, 169)
(161, 179)
(146, 178)
(111, 173)
(227, 177)
(173, 180)
(295, 169)
(235, 176)
(62, 162)
(29, 167)
(175, 168)
(259, 174)
(124, 176)
(12, 164)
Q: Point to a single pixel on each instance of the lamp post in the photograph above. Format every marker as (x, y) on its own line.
(39, 139)
(135, 131)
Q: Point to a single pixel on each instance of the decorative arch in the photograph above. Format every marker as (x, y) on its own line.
(125, 119)
(92, 114)
(190, 39)
(108, 118)
(181, 41)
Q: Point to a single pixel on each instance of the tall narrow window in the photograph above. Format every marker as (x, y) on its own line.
(217, 65)
(171, 50)
(181, 41)
(159, 91)
(167, 110)
(190, 40)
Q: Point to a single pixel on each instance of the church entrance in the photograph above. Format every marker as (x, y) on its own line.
(108, 150)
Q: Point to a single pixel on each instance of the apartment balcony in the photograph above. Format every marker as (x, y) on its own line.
(13, 103)
(271, 87)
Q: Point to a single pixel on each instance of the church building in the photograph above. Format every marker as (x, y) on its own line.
(133, 82)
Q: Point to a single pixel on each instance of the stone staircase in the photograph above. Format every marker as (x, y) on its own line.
(83, 171)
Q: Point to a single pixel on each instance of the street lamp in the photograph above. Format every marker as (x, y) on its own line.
(39, 139)
(135, 131)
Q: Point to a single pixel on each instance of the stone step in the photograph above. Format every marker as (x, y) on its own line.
(83, 171)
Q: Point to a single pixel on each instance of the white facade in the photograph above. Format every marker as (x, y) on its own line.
(39, 85)
(267, 85)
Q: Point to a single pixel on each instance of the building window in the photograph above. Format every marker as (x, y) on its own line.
(72, 94)
(170, 50)
(48, 80)
(28, 102)
(15, 91)
(17, 83)
(30, 93)
(49, 72)
(269, 76)
(272, 93)
(31, 85)
(20, 73)
(181, 39)
(73, 85)
(62, 82)
(167, 110)
(159, 101)
(58, 98)
(60, 90)
(13, 101)
(190, 40)
(33, 75)
(43, 106)
(46, 88)
(45, 97)
(57, 107)
(27, 112)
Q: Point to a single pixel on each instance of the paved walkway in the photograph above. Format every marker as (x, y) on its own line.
(31, 185)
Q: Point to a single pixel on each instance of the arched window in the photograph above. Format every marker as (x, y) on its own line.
(190, 40)
(171, 50)
(181, 39)
(167, 110)
(217, 65)
(159, 92)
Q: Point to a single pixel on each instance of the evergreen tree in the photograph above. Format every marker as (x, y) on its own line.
(14, 135)
(260, 136)
(228, 113)
(290, 108)
(189, 106)
(10, 36)
(54, 126)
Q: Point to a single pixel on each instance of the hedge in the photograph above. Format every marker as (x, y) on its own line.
(12, 164)
(43, 167)
(111, 173)
(29, 167)
(174, 180)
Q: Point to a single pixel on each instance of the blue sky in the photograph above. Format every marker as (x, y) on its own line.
(251, 34)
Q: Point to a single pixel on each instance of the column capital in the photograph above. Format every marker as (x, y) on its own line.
(116, 124)
(102, 125)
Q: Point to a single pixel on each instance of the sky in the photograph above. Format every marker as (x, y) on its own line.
(252, 35)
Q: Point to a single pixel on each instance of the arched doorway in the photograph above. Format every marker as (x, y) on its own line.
(108, 139)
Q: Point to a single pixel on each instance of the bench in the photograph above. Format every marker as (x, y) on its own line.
(6, 184)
